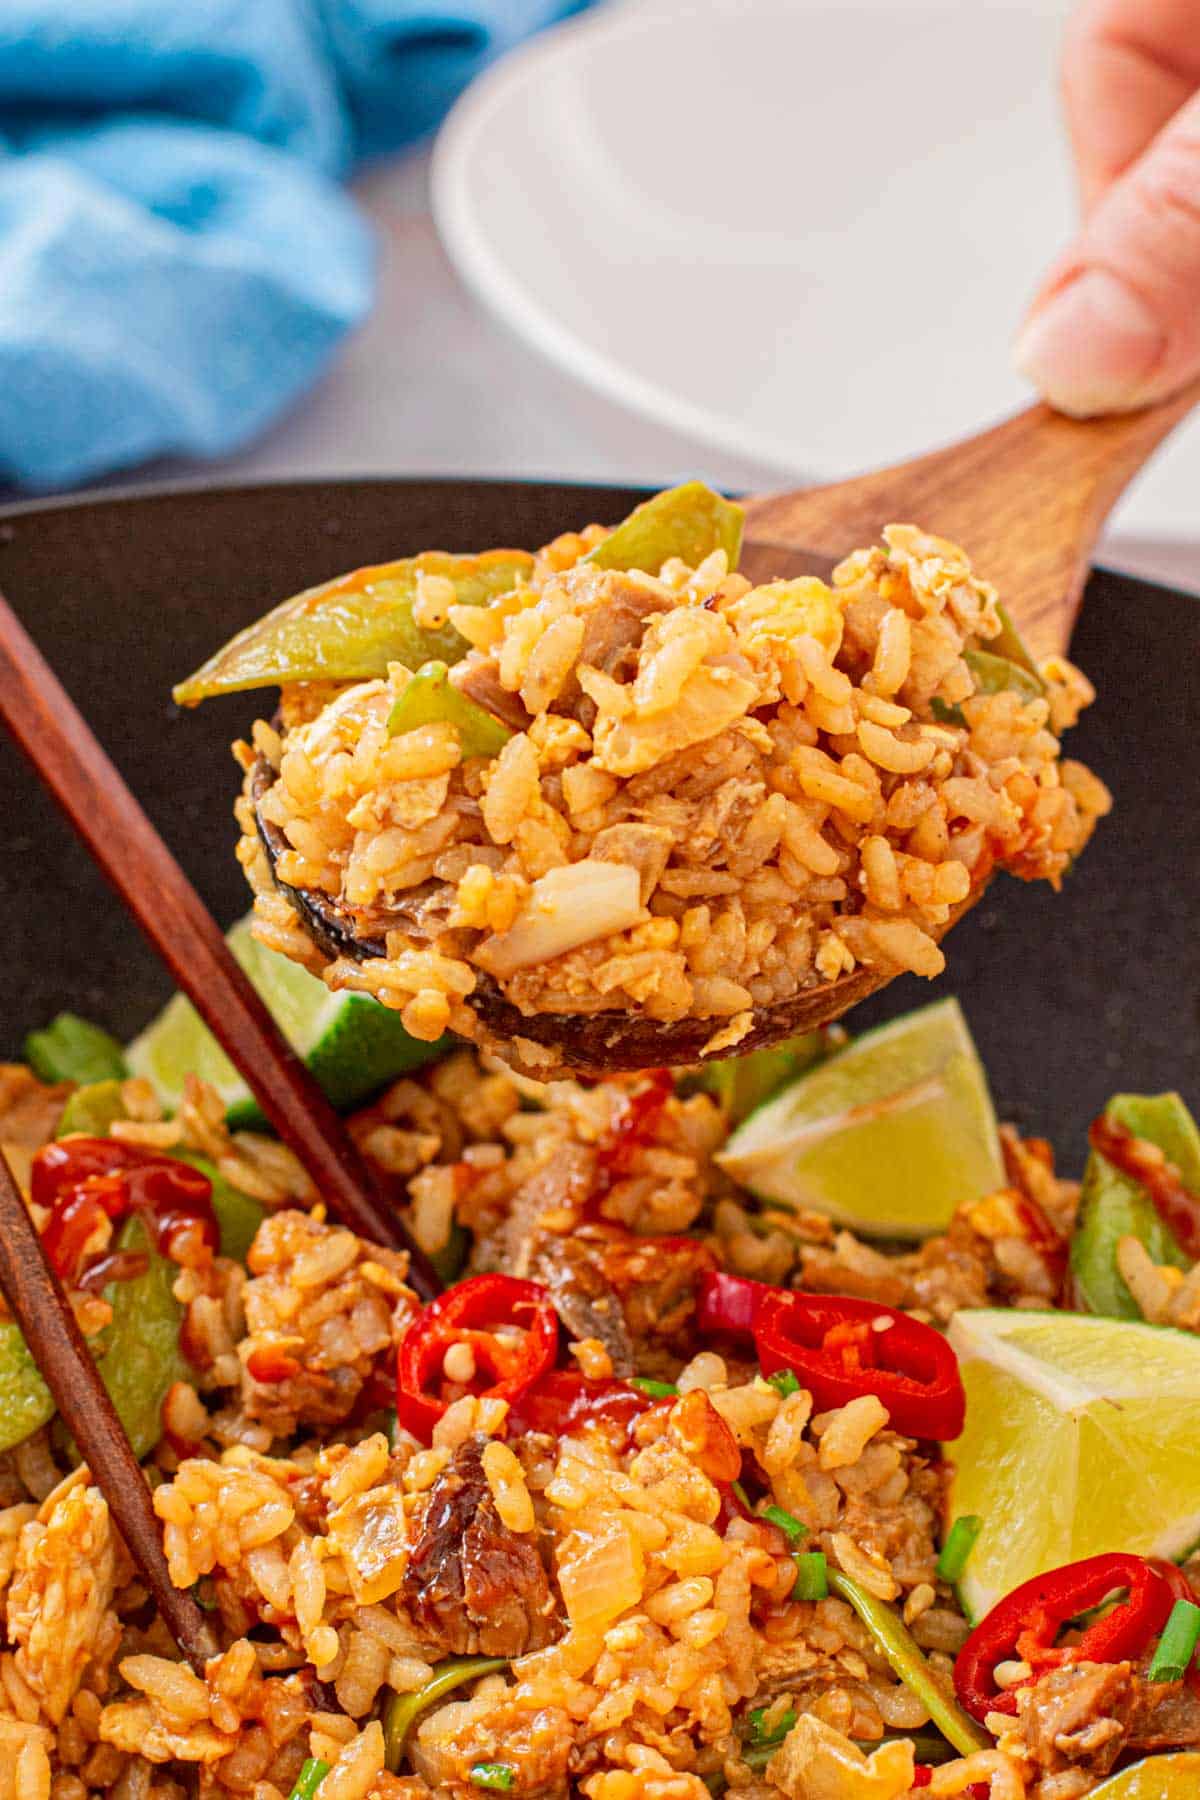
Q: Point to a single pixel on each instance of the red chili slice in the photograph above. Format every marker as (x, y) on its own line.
(561, 1401)
(840, 1347)
(730, 1303)
(82, 1181)
(507, 1361)
(1024, 1625)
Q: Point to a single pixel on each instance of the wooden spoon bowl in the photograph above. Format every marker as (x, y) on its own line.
(1026, 500)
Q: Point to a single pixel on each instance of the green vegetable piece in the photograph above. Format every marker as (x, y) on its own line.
(431, 697)
(812, 1575)
(737, 1489)
(499, 1776)
(1112, 1205)
(997, 675)
(926, 1749)
(25, 1400)
(759, 1735)
(656, 1390)
(402, 1710)
(72, 1049)
(352, 628)
(742, 1083)
(92, 1110)
(1009, 643)
(312, 1773)
(238, 1216)
(894, 1641)
(689, 522)
(788, 1523)
(785, 1382)
(142, 1357)
(1177, 1645)
(960, 1541)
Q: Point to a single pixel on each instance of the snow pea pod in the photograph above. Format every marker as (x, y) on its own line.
(1113, 1205)
(690, 522)
(352, 628)
(431, 699)
(73, 1049)
(142, 1357)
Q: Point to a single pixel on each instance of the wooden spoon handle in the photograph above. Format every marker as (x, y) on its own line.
(1026, 499)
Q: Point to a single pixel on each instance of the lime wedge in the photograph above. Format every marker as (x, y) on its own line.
(1173, 1777)
(887, 1137)
(352, 1044)
(1082, 1436)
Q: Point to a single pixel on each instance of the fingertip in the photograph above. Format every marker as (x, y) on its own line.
(1092, 347)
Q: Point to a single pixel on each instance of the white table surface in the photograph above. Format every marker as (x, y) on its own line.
(431, 385)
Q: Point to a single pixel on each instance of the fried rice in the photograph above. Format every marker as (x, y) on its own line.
(622, 1594)
(710, 797)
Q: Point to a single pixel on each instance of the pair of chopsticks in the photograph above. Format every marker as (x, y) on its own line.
(46, 725)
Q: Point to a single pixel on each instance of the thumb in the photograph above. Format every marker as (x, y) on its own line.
(1117, 324)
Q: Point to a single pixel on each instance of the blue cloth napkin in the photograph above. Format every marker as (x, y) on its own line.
(177, 258)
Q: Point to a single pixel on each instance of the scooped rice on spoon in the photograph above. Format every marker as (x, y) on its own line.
(615, 798)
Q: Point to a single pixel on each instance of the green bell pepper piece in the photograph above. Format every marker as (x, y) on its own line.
(894, 1641)
(403, 1710)
(431, 698)
(1112, 1205)
(25, 1400)
(689, 522)
(1009, 644)
(91, 1110)
(740, 1084)
(352, 628)
(999, 674)
(993, 675)
(72, 1049)
(238, 1216)
(141, 1356)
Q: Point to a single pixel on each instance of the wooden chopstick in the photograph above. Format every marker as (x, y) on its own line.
(53, 734)
(38, 1304)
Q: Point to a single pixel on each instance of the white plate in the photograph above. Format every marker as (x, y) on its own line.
(800, 231)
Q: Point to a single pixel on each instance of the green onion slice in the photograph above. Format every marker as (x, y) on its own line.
(657, 1390)
(894, 1641)
(785, 1382)
(499, 1776)
(760, 1735)
(787, 1522)
(312, 1773)
(1177, 1645)
(812, 1575)
(403, 1710)
(960, 1542)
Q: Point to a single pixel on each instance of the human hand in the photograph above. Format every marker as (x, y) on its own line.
(1116, 323)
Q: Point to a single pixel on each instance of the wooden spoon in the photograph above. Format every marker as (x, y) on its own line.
(1026, 500)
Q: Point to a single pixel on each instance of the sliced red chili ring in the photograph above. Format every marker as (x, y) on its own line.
(511, 1328)
(83, 1181)
(1024, 1625)
(561, 1401)
(840, 1347)
(730, 1303)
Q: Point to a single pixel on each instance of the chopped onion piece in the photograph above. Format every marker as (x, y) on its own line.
(567, 907)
